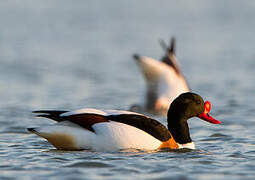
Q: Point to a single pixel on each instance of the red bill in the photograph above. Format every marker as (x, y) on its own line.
(206, 116)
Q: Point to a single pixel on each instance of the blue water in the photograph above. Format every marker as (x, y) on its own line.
(74, 54)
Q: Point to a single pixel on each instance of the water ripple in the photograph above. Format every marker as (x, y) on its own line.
(90, 165)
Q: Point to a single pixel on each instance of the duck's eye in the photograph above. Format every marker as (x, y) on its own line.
(198, 102)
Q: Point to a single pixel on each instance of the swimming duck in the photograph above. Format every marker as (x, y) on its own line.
(113, 130)
(164, 81)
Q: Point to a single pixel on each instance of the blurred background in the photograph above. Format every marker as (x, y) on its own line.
(71, 54)
(74, 54)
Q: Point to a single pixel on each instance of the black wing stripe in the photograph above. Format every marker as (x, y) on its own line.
(151, 126)
(54, 115)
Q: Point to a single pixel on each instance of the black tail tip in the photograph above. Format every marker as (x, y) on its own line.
(172, 45)
(31, 129)
(136, 56)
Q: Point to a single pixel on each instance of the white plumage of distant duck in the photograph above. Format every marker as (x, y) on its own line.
(113, 130)
(164, 81)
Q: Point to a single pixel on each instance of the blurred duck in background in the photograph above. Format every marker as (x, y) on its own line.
(164, 81)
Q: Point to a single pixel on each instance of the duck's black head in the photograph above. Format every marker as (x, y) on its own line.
(186, 106)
